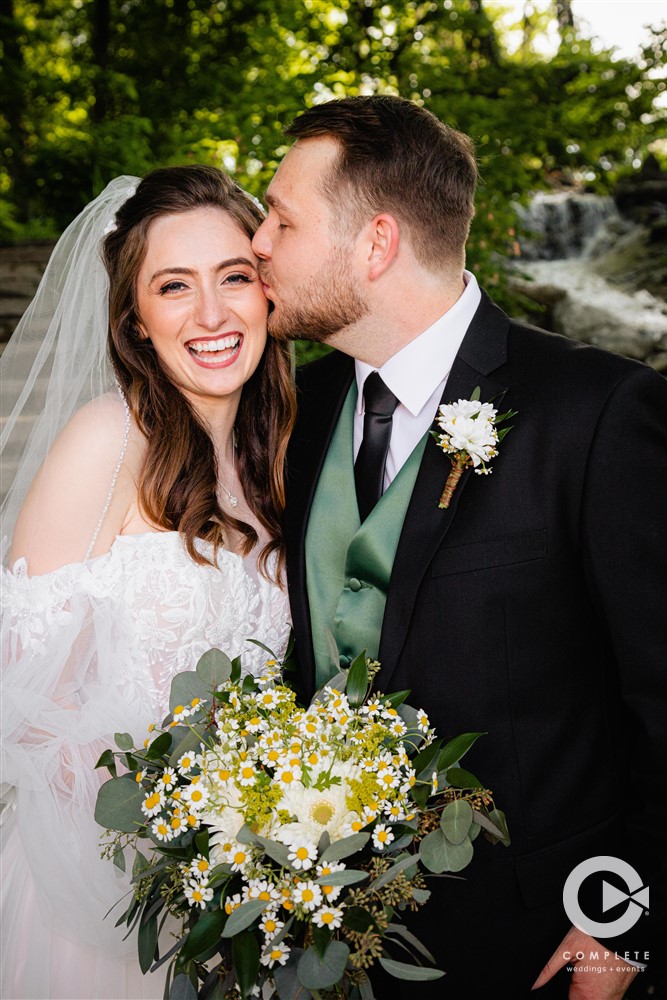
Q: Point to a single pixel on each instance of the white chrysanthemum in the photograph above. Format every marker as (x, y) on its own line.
(308, 895)
(199, 867)
(232, 903)
(167, 779)
(354, 825)
(223, 813)
(246, 774)
(276, 955)
(268, 699)
(239, 857)
(187, 761)
(422, 721)
(196, 796)
(261, 889)
(477, 437)
(162, 830)
(330, 892)
(466, 408)
(302, 855)
(198, 894)
(328, 916)
(382, 836)
(153, 803)
(271, 926)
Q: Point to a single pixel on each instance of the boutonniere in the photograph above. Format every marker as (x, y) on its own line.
(469, 435)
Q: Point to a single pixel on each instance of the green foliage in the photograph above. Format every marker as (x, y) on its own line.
(91, 90)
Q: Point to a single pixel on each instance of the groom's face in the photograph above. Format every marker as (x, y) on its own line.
(306, 265)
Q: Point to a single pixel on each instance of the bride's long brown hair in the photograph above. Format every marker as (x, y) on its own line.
(178, 481)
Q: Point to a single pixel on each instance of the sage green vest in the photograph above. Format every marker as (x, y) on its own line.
(348, 565)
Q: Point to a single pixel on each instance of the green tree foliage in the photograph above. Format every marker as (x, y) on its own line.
(95, 88)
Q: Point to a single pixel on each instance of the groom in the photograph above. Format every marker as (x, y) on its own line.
(533, 607)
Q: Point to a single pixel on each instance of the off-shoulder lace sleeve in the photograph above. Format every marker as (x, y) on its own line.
(59, 710)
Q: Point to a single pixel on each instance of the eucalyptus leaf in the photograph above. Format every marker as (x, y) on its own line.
(213, 669)
(497, 817)
(245, 952)
(413, 973)
(182, 988)
(452, 751)
(348, 877)
(439, 855)
(317, 972)
(119, 858)
(118, 805)
(412, 861)
(243, 916)
(344, 848)
(410, 717)
(185, 687)
(400, 931)
(185, 740)
(421, 896)
(456, 820)
(275, 850)
(123, 741)
(107, 759)
(286, 980)
(357, 681)
(335, 683)
(365, 989)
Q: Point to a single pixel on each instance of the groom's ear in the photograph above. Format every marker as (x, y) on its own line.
(382, 241)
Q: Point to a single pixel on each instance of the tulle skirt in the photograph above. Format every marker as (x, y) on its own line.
(41, 959)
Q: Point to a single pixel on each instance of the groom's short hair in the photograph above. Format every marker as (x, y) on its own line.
(397, 157)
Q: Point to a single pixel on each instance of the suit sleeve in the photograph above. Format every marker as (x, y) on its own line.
(624, 524)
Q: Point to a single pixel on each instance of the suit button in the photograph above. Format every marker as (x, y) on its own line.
(354, 584)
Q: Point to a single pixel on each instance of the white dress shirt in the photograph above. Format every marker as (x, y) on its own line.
(417, 375)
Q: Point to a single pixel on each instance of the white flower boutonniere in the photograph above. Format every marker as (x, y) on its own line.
(469, 435)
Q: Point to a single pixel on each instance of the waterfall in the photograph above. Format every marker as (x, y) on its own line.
(585, 261)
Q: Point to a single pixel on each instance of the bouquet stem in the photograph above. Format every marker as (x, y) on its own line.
(452, 481)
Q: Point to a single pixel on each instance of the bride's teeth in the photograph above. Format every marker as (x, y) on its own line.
(224, 344)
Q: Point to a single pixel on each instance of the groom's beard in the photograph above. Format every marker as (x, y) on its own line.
(320, 307)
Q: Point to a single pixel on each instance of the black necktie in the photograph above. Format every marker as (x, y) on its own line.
(379, 405)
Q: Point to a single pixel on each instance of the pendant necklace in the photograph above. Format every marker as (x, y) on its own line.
(232, 500)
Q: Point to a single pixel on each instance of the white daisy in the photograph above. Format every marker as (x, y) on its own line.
(308, 894)
(277, 954)
(302, 856)
(328, 916)
(198, 893)
(382, 836)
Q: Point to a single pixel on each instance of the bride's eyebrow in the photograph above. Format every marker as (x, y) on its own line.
(232, 262)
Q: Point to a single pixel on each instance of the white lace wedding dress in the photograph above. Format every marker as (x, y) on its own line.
(89, 650)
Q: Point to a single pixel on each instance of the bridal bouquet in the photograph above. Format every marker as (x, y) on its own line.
(289, 842)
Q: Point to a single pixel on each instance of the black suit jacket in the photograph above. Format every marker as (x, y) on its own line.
(533, 609)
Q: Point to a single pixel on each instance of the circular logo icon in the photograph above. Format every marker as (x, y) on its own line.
(636, 896)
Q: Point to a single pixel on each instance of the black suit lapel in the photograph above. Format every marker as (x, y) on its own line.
(483, 350)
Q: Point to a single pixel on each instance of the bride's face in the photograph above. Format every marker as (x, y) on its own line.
(201, 304)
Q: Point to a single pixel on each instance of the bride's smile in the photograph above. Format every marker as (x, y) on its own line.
(201, 304)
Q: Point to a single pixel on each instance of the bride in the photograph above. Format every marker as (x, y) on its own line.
(141, 529)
